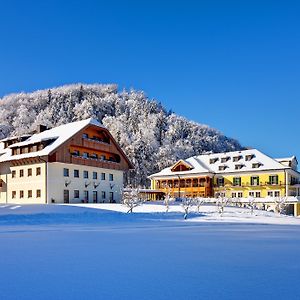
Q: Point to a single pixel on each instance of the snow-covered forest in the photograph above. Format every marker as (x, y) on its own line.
(150, 135)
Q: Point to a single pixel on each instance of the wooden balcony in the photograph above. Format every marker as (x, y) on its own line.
(98, 163)
(95, 144)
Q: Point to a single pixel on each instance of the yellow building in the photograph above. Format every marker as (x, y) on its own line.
(238, 174)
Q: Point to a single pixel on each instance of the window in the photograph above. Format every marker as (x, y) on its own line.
(255, 180)
(66, 172)
(273, 179)
(76, 194)
(95, 175)
(85, 155)
(237, 195)
(38, 171)
(38, 193)
(236, 158)
(21, 194)
(85, 136)
(213, 160)
(29, 194)
(94, 155)
(102, 176)
(21, 173)
(254, 194)
(103, 157)
(85, 174)
(237, 181)
(273, 193)
(13, 194)
(222, 168)
(103, 195)
(13, 174)
(224, 159)
(256, 165)
(86, 196)
(111, 177)
(95, 197)
(76, 173)
(238, 167)
(220, 181)
(29, 172)
(111, 197)
(249, 157)
(76, 153)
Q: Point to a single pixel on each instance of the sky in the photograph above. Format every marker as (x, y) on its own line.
(233, 65)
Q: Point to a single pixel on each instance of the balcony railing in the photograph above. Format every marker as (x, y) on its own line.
(94, 159)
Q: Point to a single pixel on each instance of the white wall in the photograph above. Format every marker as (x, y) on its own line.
(57, 183)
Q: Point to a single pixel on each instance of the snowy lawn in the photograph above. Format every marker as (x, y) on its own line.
(71, 252)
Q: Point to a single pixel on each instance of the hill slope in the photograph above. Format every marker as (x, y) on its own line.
(152, 137)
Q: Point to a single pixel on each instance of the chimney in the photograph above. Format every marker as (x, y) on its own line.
(41, 128)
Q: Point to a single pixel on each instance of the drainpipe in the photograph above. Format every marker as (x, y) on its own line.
(46, 179)
(178, 186)
(286, 184)
(6, 188)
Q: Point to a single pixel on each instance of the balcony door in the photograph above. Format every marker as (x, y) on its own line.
(66, 196)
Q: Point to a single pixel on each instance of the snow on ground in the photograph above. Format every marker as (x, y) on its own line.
(79, 252)
(208, 213)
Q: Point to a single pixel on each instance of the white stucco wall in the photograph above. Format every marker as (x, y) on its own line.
(57, 183)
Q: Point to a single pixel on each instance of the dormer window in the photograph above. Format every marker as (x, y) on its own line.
(213, 160)
(249, 157)
(222, 168)
(236, 158)
(225, 159)
(256, 165)
(239, 166)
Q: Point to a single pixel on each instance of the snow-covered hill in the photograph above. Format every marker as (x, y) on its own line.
(151, 136)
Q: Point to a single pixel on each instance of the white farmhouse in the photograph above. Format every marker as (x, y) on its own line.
(72, 163)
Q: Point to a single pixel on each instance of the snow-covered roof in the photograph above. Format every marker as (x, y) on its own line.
(59, 135)
(212, 163)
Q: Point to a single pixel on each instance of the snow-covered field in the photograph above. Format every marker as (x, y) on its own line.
(98, 252)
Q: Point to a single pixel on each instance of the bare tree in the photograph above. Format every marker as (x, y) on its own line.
(198, 202)
(132, 199)
(167, 199)
(280, 204)
(221, 202)
(251, 204)
(187, 203)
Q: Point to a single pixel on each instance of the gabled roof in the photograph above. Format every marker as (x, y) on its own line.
(182, 162)
(59, 135)
(210, 163)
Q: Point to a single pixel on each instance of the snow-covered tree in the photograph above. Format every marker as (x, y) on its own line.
(221, 203)
(132, 199)
(198, 202)
(251, 204)
(280, 204)
(187, 204)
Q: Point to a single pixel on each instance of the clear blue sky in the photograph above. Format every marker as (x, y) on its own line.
(234, 65)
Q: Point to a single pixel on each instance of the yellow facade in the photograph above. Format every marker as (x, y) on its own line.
(262, 186)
